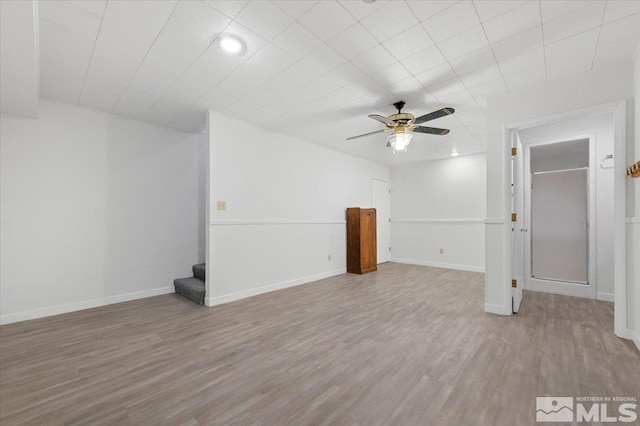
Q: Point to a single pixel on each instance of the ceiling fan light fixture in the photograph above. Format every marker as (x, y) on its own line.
(231, 44)
(455, 153)
(404, 125)
(400, 139)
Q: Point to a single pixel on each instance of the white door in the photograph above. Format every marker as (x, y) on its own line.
(559, 226)
(381, 201)
(517, 226)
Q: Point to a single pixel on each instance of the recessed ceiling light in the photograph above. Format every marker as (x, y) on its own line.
(455, 153)
(231, 44)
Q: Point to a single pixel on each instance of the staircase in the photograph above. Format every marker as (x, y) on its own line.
(192, 287)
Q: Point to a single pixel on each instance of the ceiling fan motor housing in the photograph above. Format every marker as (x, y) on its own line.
(402, 118)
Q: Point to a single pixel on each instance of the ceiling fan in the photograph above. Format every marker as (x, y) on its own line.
(404, 124)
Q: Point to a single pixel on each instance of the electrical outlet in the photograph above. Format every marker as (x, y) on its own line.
(221, 205)
(441, 251)
(329, 258)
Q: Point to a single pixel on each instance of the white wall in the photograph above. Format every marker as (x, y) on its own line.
(633, 223)
(439, 204)
(95, 209)
(602, 126)
(285, 209)
(581, 91)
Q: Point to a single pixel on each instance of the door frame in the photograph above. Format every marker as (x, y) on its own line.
(551, 286)
(619, 110)
(389, 221)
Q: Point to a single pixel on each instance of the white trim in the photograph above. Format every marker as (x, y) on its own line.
(635, 336)
(79, 306)
(497, 309)
(607, 297)
(560, 287)
(276, 222)
(381, 179)
(208, 215)
(629, 334)
(619, 215)
(567, 115)
(506, 228)
(495, 221)
(455, 266)
(626, 334)
(219, 300)
(437, 220)
(633, 220)
(36, 30)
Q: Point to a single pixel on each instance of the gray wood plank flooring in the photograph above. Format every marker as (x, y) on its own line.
(407, 345)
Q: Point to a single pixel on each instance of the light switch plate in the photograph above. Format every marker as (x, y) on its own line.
(222, 205)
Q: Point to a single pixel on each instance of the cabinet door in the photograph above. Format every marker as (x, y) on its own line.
(368, 239)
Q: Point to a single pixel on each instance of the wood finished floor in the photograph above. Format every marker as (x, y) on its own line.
(408, 345)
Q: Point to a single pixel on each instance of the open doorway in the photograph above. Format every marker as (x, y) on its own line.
(563, 197)
(560, 218)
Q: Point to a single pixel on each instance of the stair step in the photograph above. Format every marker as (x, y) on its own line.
(191, 288)
(199, 271)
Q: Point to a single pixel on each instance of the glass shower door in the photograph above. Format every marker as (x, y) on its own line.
(559, 226)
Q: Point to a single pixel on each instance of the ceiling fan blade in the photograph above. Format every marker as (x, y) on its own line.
(382, 119)
(431, 130)
(367, 134)
(433, 115)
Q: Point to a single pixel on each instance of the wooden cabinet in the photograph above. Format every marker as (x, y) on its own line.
(362, 253)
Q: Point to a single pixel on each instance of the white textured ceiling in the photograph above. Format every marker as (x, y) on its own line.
(316, 69)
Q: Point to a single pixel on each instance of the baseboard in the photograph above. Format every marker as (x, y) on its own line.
(440, 265)
(627, 333)
(497, 309)
(213, 301)
(87, 304)
(607, 297)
